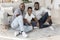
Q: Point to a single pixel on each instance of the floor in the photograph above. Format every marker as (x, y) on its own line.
(36, 34)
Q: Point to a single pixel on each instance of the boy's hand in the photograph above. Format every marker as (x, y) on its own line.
(25, 21)
(30, 24)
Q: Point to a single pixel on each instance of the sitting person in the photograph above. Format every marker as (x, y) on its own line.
(43, 15)
(17, 24)
(30, 19)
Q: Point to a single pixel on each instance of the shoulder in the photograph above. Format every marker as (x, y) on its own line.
(17, 9)
(32, 14)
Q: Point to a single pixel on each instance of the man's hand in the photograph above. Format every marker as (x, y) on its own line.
(25, 21)
(17, 15)
(48, 19)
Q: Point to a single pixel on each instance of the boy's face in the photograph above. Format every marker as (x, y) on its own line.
(29, 11)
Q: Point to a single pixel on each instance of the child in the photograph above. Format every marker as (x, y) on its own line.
(30, 19)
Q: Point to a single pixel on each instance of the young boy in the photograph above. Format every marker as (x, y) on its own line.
(30, 19)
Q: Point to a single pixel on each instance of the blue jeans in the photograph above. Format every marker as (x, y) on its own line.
(18, 25)
(32, 22)
(43, 20)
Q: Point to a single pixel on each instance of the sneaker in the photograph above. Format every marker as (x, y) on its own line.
(46, 23)
(16, 33)
(24, 34)
(35, 27)
(51, 28)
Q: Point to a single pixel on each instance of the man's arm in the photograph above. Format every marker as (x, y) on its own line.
(17, 15)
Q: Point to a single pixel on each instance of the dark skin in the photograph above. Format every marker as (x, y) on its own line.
(36, 21)
(22, 8)
(37, 8)
(29, 13)
(48, 19)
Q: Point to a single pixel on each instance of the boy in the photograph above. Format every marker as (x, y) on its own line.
(30, 19)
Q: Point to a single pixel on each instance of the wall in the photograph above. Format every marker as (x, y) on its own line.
(55, 8)
(42, 2)
(56, 12)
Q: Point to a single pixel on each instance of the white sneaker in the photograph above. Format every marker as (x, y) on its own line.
(24, 34)
(35, 27)
(16, 33)
(46, 23)
(51, 28)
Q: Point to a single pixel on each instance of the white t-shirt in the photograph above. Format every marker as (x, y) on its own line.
(40, 12)
(29, 18)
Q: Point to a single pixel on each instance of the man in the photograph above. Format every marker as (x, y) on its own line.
(17, 23)
(43, 15)
(20, 10)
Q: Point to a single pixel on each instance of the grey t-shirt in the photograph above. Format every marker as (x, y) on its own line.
(18, 11)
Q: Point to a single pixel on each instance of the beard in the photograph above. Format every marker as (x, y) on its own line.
(36, 8)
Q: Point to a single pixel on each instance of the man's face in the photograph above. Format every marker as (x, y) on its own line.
(36, 6)
(29, 11)
(22, 7)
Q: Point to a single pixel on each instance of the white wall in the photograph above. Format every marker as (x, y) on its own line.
(42, 2)
(47, 3)
(56, 11)
(56, 4)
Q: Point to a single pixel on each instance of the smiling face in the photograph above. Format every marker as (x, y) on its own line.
(22, 6)
(29, 10)
(36, 5)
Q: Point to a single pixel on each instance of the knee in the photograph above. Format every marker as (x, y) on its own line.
(33, 23)
(46, 14)
(12, 26)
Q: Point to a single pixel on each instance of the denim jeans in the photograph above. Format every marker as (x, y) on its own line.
(18, 25)
(43, 20)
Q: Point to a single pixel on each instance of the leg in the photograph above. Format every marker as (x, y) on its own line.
(28, 28)
(21, 27)
(43, 20)
(50, 21)
(14, 24)
(20, 22)
(33, 23)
